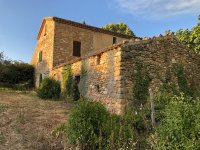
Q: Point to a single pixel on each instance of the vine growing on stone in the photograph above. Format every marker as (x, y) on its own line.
(182, 82)
(169, 86)
(68, 81)
(141, 84)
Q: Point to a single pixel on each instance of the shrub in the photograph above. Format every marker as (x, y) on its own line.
(49, 89)
(120, 131)
(93, 127)
(86, 122)
(16, 74)
(180, 127)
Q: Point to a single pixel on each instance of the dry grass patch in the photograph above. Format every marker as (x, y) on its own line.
(27, 121)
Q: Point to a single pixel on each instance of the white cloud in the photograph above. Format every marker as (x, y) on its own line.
(159, 8)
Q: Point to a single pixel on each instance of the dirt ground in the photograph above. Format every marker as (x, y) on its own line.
(26, 122)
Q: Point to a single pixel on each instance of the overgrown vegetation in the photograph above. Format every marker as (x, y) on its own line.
(182, 82)
(180, 126)
(169, 86)
(14, 74)
(141, 84)
(91, 126)
(49, 89)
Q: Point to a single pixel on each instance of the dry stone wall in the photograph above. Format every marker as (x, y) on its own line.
(158, 55)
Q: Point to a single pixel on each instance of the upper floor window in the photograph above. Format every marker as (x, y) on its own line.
(114, 40)
(76, 48)
(40, 56)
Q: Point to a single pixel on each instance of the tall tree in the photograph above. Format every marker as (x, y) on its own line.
(119, 28)
(191, 37)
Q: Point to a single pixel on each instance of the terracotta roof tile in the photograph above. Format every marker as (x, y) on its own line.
(88, 27)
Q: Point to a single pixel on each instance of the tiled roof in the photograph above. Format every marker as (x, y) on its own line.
(84, 26)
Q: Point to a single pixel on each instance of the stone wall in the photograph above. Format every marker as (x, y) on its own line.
(158, 54)
(102, 81)
(55, 40)
(90, 41)
(64, 37)
(45, 44)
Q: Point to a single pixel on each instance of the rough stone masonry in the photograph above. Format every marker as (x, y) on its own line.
(109, 69)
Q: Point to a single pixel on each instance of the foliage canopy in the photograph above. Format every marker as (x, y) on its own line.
(119, 28)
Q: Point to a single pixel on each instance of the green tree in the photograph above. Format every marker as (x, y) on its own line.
(190, 37)
(119, 28)
(195, 38)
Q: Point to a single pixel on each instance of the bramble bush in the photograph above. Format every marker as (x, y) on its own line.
(49, 89)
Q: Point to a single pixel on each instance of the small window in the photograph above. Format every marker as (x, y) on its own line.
(98, 59)
(97, 88)
(114, 40)
(40, 56)
(76, 48)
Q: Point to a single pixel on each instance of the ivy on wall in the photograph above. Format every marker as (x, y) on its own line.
(169, 86)
(83, 70)
(141, 84)
(182, 82)
(83, 78)
(67, 81)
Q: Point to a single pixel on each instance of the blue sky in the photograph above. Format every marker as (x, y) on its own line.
(20, 20)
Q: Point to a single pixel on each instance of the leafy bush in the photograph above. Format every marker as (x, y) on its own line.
(49, 89)
(86, 122)
(180, 127)
(120, 133)
(16, 75)
(93, 127)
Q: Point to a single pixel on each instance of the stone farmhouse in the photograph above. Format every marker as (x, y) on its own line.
(109, 59)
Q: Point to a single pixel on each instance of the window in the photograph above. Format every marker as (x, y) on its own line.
(76, 48)
(40, 56)
(98, 59)
(114, 40)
